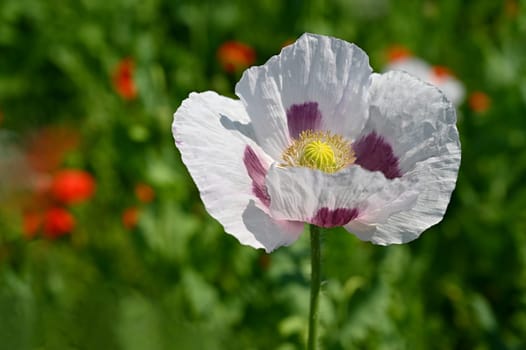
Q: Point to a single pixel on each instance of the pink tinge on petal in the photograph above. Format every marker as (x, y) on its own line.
(301, 117)
(257, 172)
(326, 217)
(375, 154)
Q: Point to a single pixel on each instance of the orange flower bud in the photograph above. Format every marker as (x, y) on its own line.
(144, 192)
(130, 217)
(123, 79)
(479, 101)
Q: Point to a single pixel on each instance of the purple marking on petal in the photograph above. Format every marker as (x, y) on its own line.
(326, 217)
(257, 173)
(303, 117)
(374, 153)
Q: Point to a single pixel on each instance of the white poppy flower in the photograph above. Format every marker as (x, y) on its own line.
(317, 138)
(439, 76)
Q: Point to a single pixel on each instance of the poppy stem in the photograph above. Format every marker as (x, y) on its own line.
(315, 247)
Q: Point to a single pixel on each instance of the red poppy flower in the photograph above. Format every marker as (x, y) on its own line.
(58, 222)
(479, 102)
(123, 79)
(72, 186)
(144, 192)
(235, 56)
(130, 217)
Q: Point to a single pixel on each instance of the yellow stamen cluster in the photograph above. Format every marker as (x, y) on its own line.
(319, 150)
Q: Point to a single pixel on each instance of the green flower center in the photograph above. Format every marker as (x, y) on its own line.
(319, 150)
(318, 155)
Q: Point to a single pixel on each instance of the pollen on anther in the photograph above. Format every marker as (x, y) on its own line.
(320, 150)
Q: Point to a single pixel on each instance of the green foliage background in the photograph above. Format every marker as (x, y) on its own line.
(177, 281)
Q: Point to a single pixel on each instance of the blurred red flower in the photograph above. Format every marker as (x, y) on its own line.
(398, 52)
(31, 221)
(72, 186)
(144, 192)
(130, 217)
(511, 8)
(58, 222)
(479, 101)
(235, 56)
(47, 147)
(123, 79)
(44, 151)
(441, 73)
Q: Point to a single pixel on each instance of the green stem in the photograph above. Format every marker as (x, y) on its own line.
(315, 248)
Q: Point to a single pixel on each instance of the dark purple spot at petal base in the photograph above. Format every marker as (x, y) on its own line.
(257, 174)
(326, 217)
(303, 117)
(375, 154)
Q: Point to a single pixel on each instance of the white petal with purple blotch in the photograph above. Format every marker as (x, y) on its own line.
(317, 74)
(212, 133)
(331, 200)
(417, 121)
(414, 118)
